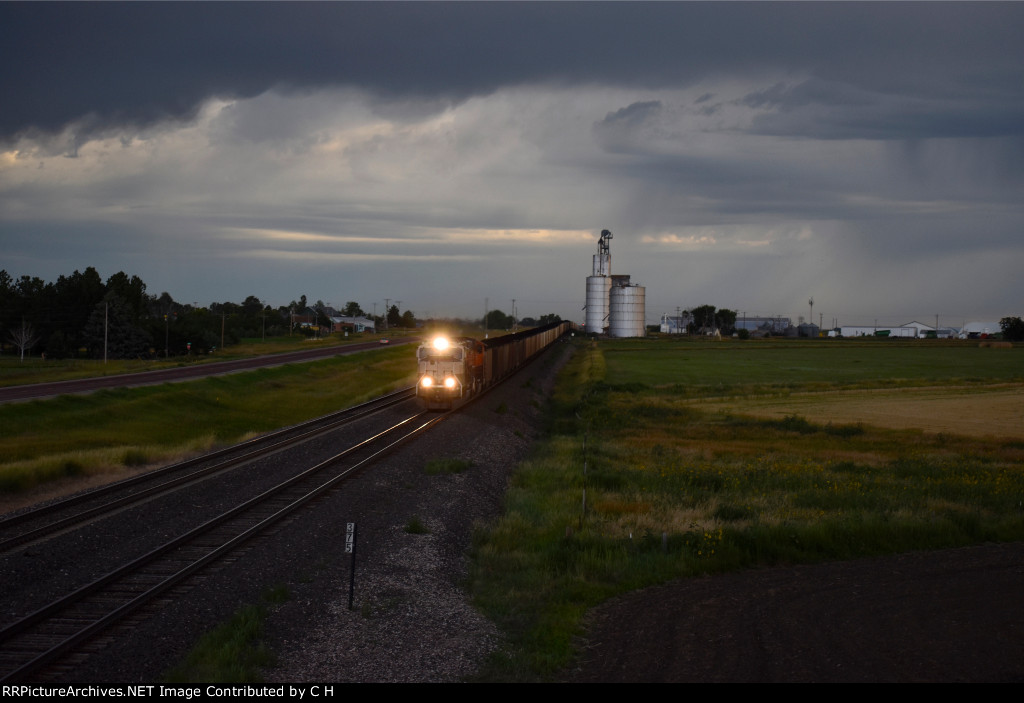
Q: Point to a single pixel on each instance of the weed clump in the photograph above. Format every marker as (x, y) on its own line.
(135, 457)
(436, 467)
(415, 526)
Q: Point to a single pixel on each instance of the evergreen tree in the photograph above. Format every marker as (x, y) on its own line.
(352, 309)
(111, 319)
(394, 317)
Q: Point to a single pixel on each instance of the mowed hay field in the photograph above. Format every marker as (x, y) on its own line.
(987, 411)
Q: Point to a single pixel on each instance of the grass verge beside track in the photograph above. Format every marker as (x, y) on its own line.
(232, 652)
(637, 484)
(112, 431)
(14, 372)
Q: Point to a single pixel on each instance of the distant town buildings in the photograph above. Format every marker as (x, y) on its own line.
(783, 327)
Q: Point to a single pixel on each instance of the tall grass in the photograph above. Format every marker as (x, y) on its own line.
(663, 490)
(232, 652)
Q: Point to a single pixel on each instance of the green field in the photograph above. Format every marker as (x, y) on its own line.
(114, 431)
(698, 367)
(643, 479)
(15, 372)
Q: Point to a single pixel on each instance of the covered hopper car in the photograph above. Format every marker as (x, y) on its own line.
(454, 368)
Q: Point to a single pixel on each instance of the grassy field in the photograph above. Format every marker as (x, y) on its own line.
(14, 372)
(776, 365)
(112, 432)
(662, 463)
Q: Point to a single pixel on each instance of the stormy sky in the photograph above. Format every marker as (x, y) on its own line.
(746, 155)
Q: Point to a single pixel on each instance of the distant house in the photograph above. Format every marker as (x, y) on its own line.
(675, 324)
(302, 320)
(341, 323)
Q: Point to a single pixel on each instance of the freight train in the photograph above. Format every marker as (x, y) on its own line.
(454, 368)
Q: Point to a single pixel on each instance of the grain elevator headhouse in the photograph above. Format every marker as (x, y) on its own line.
(614, 305)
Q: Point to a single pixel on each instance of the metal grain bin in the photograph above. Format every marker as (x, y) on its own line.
(628, 311)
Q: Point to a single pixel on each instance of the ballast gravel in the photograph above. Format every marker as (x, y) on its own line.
(410, 619)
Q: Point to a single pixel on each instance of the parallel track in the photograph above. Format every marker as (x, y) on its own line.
(24, 528)
(35, 645)
(56, 630)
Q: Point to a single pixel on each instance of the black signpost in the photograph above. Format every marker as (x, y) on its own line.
(350, 548)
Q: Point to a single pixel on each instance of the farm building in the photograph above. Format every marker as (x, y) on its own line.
(979, 329)
(909, 330)
(341, 323)
(675, 324)
(771, 325)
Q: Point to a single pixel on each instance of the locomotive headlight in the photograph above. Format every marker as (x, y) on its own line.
(426, 381)
(440, 343)
(449, 382)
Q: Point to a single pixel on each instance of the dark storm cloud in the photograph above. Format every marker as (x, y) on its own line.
(616, 131)
(743, 153)
(830, 110)
(137, 63)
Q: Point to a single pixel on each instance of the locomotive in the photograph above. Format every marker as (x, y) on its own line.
(454, 368)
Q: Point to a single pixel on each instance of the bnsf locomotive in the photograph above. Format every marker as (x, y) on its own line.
(451, 368)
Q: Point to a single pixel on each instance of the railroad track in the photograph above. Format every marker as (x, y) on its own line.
(55, 631)
(81, 601)
(24, 528)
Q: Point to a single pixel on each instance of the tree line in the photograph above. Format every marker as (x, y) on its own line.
(705, 319)
(1013, 329)
(497, 320)
(81, 314)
